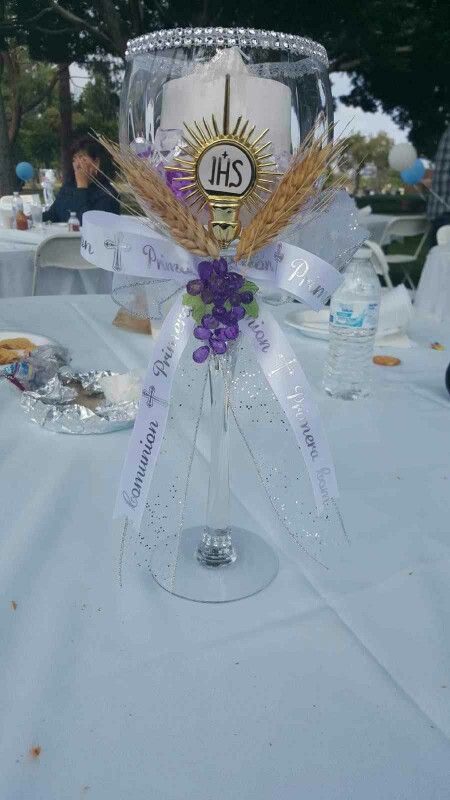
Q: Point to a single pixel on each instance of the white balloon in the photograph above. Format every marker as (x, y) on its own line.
(402, 156)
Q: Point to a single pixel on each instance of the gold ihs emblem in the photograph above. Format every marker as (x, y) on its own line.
(225, 170)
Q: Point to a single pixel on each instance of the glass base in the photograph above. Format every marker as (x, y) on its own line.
(255, 566)
(348, 394)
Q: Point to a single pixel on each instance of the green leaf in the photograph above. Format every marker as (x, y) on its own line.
(251, 309)
(197, 314)
(227, 305)
(190, 300)
(196, 304)
(199, 311)
(249, 287)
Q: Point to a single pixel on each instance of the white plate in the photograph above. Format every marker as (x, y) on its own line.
(317, 330)
(36, 338)
(313, 333)
(389, 338)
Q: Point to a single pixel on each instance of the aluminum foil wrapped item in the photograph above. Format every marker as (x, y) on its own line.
(90, 381)
(74, 403)
(123, 388)
(38, 367)
(54, 391)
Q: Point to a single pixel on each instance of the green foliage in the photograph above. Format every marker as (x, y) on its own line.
(251, 309)
(395, 51)
(369, 151)
(400, 64)
(25, 78)
(39, 139)
(199, 308)
(95, 110)
(98, 106)
(249, 287)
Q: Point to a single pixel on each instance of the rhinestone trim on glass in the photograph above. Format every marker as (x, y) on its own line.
(225, 37)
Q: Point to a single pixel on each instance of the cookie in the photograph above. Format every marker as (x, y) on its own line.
(386, 361)
(19, 343)
(8, 356)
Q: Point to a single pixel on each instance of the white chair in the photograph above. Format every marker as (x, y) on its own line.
(379, 261)
(402, 228)
(365, 211)
(62, 251)
(443, 235)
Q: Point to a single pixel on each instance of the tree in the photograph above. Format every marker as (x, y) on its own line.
(364, 151)
(402, 69)
(98, 105)
(25, 87)
(95, 109)
(49, 34)
(394, 50)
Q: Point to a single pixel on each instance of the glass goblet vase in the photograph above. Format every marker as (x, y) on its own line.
(279, 83)
(219, 561)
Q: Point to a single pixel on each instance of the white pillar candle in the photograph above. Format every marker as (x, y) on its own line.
(265, 103)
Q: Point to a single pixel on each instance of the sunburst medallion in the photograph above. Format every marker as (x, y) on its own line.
(225, 170)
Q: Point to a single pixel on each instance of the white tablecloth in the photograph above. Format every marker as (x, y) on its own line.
(433, 293)
(328, 685)
(17, 249)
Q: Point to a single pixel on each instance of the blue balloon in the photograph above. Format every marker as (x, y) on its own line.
(413, 174)
(24, 171)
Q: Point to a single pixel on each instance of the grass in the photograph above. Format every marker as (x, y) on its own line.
(408, 245)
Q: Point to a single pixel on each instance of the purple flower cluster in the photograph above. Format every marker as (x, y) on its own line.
(219, 287)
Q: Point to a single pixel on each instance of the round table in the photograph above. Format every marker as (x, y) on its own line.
(17, 251)
(329, 685)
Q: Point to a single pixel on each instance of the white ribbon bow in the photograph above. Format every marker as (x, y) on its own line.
(126, 245)
(123, 244)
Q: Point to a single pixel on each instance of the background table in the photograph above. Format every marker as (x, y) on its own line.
(17, 250)
(433, 293)
(329, 685)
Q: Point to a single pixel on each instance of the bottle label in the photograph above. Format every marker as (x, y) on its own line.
(357, 314)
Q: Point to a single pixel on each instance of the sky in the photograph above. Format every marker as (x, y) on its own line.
(358, 121)
(362, 121)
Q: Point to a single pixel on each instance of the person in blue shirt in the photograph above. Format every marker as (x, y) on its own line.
(81, 192)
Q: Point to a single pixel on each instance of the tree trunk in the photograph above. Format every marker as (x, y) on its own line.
(65, 114)
(7, 180)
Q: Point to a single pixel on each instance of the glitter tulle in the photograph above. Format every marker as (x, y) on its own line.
(272, 484)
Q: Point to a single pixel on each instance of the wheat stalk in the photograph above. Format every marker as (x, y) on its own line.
(296, 192)
(157, 200)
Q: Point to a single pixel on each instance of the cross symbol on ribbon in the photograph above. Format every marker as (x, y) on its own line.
(152, 398)
(284, 363)
(116, 244)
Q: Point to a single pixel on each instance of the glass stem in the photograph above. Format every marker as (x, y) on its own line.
(216, 547)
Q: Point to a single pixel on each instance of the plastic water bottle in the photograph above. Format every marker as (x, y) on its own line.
(73, 223)
(353, 325)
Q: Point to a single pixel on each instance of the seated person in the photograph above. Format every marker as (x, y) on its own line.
(80, 193)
